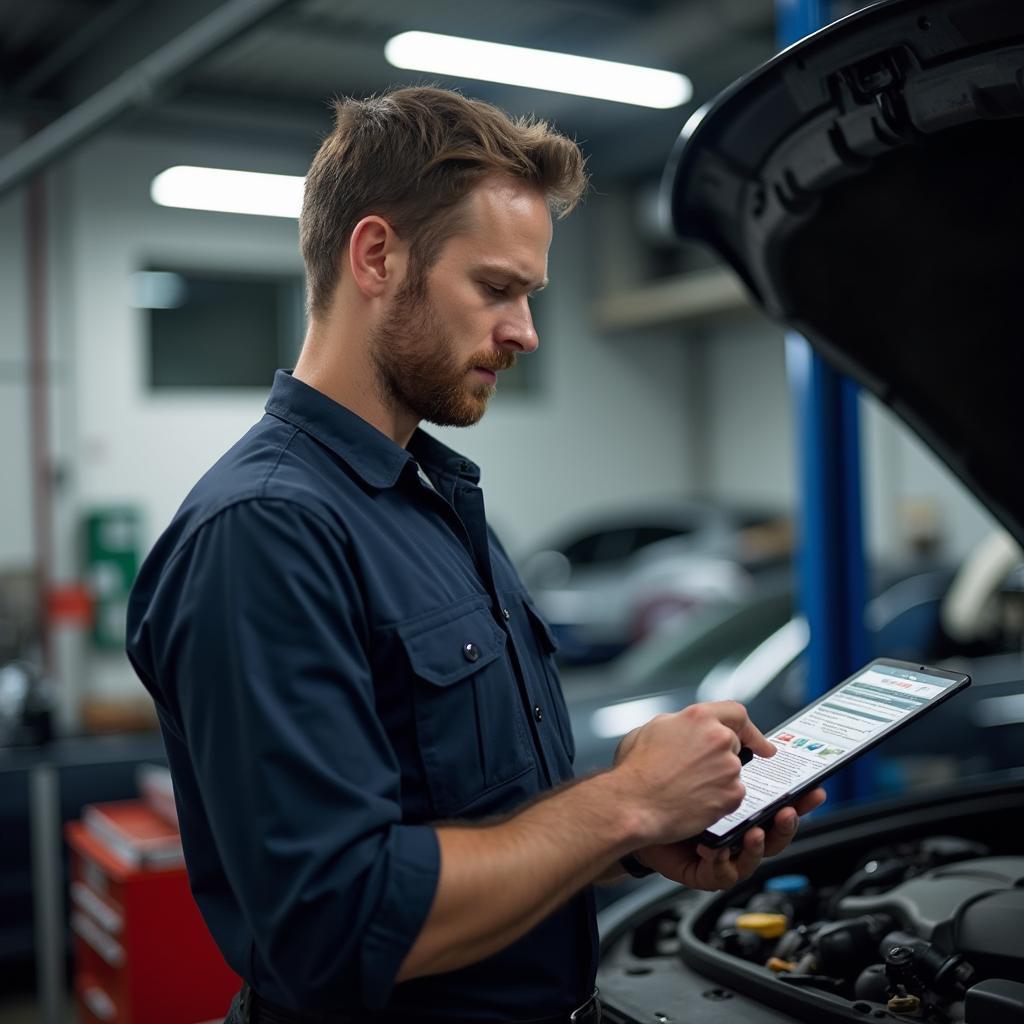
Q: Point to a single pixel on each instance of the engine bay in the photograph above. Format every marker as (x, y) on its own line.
(912, 930)
(886, 920)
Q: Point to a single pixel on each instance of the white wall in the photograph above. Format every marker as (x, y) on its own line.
(907, 487)
(17, 544)
(134, 446)
(751, 446)
(749, 432)
(124, 445)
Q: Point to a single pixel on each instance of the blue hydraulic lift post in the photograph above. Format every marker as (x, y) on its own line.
(831, 571)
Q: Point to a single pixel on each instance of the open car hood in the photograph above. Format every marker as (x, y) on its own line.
(868, 186)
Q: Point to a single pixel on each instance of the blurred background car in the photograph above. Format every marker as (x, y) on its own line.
(974, 624)
(969, 617)
(750, 651)
(605, 583)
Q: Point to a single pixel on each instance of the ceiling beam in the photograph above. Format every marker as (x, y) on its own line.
(131, 39)
(95, 30)
(138, 86)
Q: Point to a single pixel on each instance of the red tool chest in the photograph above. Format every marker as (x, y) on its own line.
(142, 952)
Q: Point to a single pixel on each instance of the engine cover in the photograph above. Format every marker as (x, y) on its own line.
(973, 906)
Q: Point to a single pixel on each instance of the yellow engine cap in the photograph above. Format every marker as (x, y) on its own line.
(768, 926)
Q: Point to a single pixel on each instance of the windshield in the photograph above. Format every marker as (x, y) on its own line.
(686, 653)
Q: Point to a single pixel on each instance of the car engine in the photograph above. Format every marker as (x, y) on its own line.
(916, 930)
(907, 910)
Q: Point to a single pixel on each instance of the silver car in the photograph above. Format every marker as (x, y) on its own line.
(610, 581)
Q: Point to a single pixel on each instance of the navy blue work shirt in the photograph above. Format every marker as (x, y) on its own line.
(341, 655)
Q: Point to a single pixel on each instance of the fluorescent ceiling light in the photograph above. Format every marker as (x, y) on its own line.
(538, 69)
(212, 188)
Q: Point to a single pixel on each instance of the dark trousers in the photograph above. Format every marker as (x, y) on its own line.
(261, 1012)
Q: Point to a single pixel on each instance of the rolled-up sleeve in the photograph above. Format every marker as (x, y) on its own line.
(262, 659)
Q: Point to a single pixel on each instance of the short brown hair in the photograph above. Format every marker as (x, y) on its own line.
(412, 155)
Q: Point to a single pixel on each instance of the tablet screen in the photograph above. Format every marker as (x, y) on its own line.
(831, 730)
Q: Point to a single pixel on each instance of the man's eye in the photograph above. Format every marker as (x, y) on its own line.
(494, 289)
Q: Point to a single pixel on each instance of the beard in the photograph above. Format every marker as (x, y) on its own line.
(417, 368)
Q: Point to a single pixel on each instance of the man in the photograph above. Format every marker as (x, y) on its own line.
(371, 753)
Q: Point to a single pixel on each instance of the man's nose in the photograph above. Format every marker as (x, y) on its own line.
(516, 332)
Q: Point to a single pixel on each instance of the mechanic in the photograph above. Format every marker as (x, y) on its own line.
(369, 745)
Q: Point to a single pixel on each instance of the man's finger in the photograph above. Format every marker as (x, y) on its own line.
(787, 820)
(729, 712)
(781, 834)
(754, 739)
(751, 854)
(809, 801)
(734, 715)
(715, 872)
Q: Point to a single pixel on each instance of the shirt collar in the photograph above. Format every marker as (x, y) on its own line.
(373, 455)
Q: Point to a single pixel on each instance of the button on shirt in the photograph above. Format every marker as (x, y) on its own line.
(340, 655)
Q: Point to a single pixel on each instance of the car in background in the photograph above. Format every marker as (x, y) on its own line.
(750, 651)
(981, 731)
(610, 580)
(664, 671)
(864, 185)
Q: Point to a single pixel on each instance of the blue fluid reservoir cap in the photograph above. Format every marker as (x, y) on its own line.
(787, 883)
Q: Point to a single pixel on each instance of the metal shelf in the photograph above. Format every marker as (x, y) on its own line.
(672, 300)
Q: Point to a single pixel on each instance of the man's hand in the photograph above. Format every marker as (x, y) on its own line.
(709, 778)
(700, 867)
(681, 772)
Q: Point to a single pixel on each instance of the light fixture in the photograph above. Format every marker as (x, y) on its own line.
(538, 69)
(214, 188)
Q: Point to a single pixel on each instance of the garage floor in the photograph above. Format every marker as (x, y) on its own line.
(25, 1010)
(22, 1009)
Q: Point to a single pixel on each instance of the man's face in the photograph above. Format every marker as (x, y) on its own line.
(445, 339)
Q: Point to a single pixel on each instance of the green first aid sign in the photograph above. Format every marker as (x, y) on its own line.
(111, 557)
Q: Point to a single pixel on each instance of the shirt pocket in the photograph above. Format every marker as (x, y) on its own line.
(547, 645)
(468, 713)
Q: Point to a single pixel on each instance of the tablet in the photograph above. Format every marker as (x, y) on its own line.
(850, 719)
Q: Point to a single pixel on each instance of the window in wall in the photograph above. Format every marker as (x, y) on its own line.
(216, 329)
(213, 329)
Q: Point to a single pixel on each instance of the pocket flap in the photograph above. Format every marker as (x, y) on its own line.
(445, 652)
(547, 636)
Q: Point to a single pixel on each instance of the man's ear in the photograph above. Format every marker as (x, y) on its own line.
(375, 256)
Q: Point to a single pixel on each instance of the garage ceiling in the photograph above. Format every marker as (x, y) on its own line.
(271, 84)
